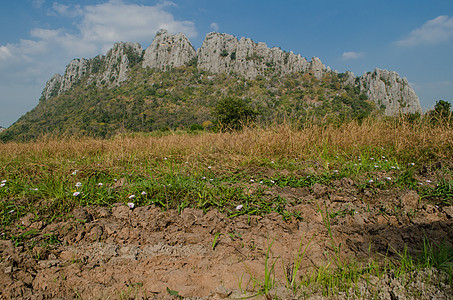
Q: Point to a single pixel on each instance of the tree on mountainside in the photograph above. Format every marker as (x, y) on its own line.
(233, 113)
(441, 112)
(442, 108)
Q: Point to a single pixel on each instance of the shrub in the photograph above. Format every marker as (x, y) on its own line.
(233, 113)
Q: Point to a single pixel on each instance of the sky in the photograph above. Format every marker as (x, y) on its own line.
(38, 38)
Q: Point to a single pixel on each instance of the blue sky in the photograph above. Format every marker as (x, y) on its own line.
(38, 38)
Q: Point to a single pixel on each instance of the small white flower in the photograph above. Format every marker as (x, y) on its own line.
(2, 185)
(131, 196)
(335, 171)
(420, 183)
(239, 207)
(412, 164)
(165, 158)
(372, 158)
(272, 162)
(272, 181)
(34, 189)
(100, 184)
(209, 167)
(251, 180)
(370, 181)
(428, 181)
(75, 172)
(143, 193)
(4, 181)
(203, 177)
(187, 162)
(78, 184)
(131, 205)
(11, 211)
(76, 194)
(261, 182)
(211, 179)
(388, 178)
(376, 166)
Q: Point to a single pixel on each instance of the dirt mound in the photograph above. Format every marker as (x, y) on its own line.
(144, 252)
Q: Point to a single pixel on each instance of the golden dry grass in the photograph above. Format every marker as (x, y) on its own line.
(419, 142)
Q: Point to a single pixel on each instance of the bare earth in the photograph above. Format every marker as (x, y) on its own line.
(141, 253)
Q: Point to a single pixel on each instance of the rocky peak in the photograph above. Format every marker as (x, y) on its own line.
(117, 63)
(223, 52)
(390, 92)
(52, 87)
(168, 50)
(74, 72)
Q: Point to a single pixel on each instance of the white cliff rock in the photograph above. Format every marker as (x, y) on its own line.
(117, 64)
(223, 52)
(388, 90)
(52, 87)
(168, 51)
(74, 72)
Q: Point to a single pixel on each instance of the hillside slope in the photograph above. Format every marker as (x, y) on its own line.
(172, 85)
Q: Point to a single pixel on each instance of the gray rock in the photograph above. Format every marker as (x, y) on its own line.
(116, 64)
(389, 91)
(223, 52)
(168, 51)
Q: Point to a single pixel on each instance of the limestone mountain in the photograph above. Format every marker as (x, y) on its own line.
(170, 84)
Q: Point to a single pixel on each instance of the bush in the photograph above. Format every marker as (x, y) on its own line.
(196, 127)
(233, 113)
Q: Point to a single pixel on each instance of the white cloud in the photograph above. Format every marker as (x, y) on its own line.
(38, 3)
(5, 52)
(65, 10)
(434, 31)
(351, 55)
(214, 26)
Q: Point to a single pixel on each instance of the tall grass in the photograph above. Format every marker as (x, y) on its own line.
(203, 170)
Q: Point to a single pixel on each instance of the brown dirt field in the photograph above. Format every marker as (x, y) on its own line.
(123, 253)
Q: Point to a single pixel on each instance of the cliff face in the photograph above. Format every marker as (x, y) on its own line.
(168, 51)
(388, 89)
(116, 64)
(224, 53)
(109, 70)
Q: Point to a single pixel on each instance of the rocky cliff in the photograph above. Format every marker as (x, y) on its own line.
(168, 51)
(388, 90)
(224, 53)
(109, 70)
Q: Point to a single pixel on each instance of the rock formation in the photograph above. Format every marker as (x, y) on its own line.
(117, 63)
(168, 51)
(389, 91)
(224, 53)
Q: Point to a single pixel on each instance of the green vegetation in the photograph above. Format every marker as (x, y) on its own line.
(176, 99)
(214, 170)
(234, 113)
(235, 173)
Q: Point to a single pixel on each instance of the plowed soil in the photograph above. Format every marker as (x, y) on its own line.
(144, 252)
